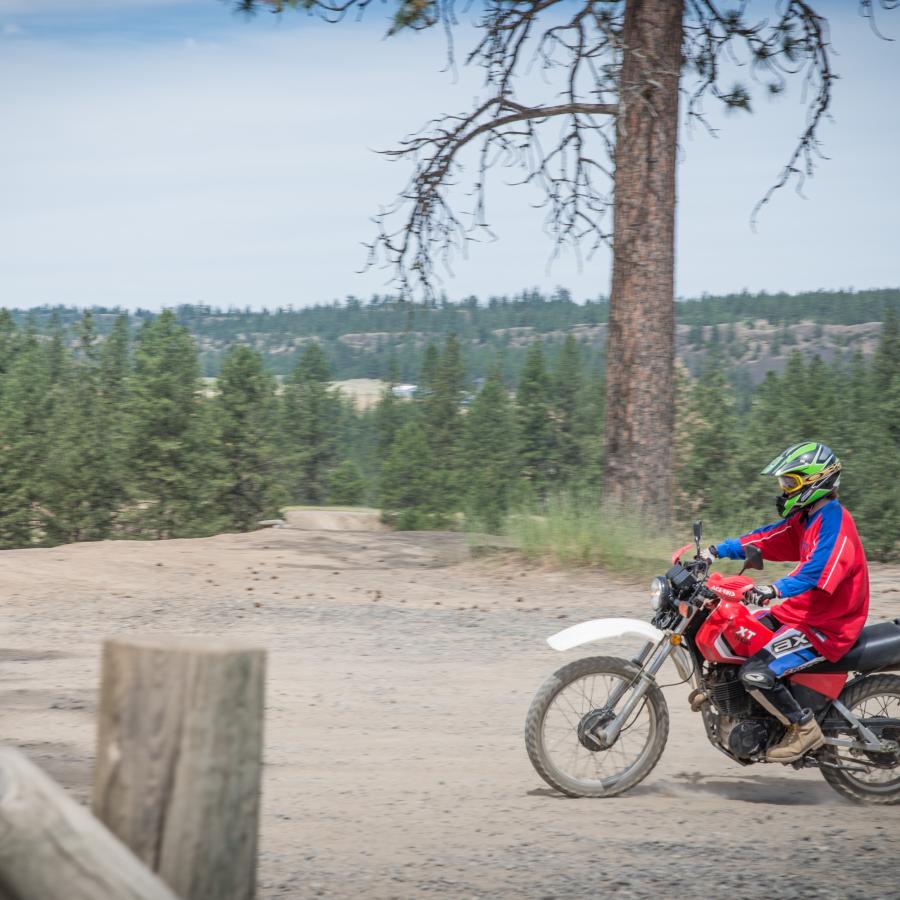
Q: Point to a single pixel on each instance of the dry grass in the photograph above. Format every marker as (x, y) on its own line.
(571, 530)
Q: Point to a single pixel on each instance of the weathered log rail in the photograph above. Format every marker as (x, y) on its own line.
(51, 848)
(176, 790)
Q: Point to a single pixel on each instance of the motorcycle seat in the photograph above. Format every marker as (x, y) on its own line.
(878, 648)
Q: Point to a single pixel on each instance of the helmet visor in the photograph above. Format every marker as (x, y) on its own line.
(791, 482)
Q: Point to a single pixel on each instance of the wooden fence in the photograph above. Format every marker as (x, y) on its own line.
(176, 789)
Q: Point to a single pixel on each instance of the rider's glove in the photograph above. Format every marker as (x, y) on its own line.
(708, 554)
(762, 594)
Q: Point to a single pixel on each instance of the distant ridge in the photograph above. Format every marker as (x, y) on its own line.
(365, 339)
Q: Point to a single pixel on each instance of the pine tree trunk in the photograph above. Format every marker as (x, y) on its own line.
(641, 339)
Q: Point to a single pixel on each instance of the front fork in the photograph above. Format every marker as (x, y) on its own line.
(649, 662)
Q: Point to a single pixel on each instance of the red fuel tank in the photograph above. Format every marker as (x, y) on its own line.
(732, 633)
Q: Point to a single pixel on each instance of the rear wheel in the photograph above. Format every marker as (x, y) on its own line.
(571, 706)
(863, 775)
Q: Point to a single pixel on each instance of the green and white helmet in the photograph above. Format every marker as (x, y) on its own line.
(807, 472)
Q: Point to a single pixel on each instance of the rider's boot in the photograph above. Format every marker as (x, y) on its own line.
(802, 732)
(799, 739)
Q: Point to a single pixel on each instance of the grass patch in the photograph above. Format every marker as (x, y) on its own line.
(571, 530)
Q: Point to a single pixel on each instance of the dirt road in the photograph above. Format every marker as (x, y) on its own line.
(400, 674)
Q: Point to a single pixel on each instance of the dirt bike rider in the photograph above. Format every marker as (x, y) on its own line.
(825, 598)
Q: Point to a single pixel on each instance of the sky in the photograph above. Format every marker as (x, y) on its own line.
(158, 152)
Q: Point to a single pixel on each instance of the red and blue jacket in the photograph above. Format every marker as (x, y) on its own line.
(827, 595)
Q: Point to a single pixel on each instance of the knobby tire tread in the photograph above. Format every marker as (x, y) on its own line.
(594, 665)
(841, 782)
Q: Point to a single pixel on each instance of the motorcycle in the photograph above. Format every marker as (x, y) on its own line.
(598, 726)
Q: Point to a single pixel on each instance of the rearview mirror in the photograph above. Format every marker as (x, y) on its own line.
(753, 558)
(698, 533)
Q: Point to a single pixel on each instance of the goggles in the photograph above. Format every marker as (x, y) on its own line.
(791, 483)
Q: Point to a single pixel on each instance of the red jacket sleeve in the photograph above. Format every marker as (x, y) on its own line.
(778, 542)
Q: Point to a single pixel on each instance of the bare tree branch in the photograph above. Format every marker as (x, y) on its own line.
(577, 48)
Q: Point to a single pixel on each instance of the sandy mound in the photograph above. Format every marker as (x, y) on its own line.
(335, 519)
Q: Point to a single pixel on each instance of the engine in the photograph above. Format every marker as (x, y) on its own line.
(728, 694)
(735, 721)
(748, 737)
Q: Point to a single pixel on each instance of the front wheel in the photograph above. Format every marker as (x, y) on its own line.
(572, 704)
(860, 774)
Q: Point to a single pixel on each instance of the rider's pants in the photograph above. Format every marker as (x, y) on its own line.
(787, 652)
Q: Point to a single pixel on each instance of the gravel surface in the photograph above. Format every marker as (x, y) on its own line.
(400, 675)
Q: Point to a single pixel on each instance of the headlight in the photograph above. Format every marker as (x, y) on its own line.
(659, 593)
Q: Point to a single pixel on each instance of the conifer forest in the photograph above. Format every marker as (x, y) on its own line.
(111, 431)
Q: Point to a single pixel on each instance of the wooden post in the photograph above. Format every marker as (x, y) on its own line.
(51, 848)
(179, 759)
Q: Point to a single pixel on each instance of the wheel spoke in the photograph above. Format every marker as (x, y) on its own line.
(560, 728)
(879, 775)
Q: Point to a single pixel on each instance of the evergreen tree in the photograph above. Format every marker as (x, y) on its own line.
(489, 453)
(821, 403)
(56, 353)
(171, 448)
(706, 473)
(310, 410)
(407, 487)
(567, 389)
(430, 363)
(762, 432)
(535, 432)
(346, 485)
(357, 440)
(8, 342)
(23, 442)
(871, 480)
(114, 377)
(245, 408)
(390, 414)
(443, 422)
(81, 489)
(589, 431)
(886, 374)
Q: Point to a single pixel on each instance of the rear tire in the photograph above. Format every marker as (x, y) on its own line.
(653, 707)
(879, 690)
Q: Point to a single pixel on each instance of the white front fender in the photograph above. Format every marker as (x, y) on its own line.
(608, 629)
(603, 630)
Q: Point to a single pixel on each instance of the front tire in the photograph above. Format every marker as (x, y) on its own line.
(554, 730)
(878, 696)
